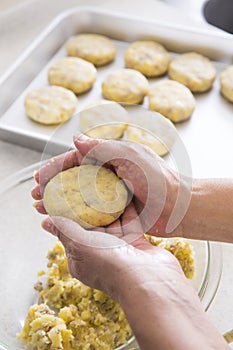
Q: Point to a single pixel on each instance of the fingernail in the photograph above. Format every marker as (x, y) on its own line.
(47, 226)
(36, 176)
(39, 206)
(80, 137)
(36, 193)
(35, 205)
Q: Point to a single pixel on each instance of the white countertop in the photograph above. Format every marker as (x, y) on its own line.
(16, 35)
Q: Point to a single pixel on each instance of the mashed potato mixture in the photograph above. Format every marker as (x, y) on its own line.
(72, 315)
(182, 250)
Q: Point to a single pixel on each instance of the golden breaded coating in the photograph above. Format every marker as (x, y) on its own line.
(85, 318)
(88, 194)
(148, 57)
(50, 105)
(97, 49)
(72, 73)
(181, 249)
(172, 99)
(193, 70)
(226, 82)
(125, 85)
(103, 119)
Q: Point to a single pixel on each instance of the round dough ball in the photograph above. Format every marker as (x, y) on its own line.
(97, 49)
(226, 82)
(153, 130)
(50, 104)
(87, 194)
(103, 119)
(72, 73)
(148, 57)
(125, 85)
(193, 70)
(171, 99)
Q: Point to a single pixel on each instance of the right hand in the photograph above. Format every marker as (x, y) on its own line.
(154, 185)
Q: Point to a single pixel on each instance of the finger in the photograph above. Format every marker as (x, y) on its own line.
(84, 144)
(39, 206)
(115, 149)
(51, 225)
(139, 206)
(80, 236)
(131, 225)
(130, 220)
(144, 212)
(36, 193)
(48, 225)
(53, 167)
(105, 151)
(89, 160)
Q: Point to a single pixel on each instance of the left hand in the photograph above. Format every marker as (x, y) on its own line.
(162, 307)
(92, 254)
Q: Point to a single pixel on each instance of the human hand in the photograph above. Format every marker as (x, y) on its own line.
(155, 187)
(163, 309)
(92, 254)
(160, 304)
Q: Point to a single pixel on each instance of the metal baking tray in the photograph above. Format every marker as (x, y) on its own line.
(207, 135)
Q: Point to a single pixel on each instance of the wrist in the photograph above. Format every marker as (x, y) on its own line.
(178, 198)
(210, 212)
(191, 223)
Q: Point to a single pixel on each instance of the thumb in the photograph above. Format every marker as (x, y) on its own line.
(66, 229)
(104, 151)
(90, 254)
(85, 144)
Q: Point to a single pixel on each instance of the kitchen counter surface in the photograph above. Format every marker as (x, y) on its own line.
(16, 35)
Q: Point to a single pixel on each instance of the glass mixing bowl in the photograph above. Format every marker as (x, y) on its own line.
(23, 249)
